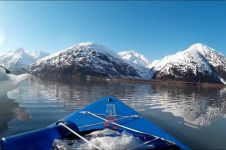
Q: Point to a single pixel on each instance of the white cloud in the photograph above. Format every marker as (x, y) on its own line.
(2, 38)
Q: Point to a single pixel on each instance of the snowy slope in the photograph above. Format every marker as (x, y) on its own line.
(215, 59)
(198, 63)
(138, 61)
(85, 59)
(18, 61)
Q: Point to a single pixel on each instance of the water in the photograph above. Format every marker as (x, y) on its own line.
(194, 115)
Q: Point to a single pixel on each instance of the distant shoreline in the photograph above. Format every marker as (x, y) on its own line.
(173, 82)
(164, 82)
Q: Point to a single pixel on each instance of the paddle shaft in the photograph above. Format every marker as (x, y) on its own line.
(134, 130)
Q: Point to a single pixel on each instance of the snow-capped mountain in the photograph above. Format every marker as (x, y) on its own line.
(18, 61)
(84, 59)
(138, 61)
(37, 54)
(134, 57)
(198, 63)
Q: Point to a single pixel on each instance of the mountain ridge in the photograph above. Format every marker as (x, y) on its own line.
(198, 63)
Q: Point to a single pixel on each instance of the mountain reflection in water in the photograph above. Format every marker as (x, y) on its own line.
(197, 106)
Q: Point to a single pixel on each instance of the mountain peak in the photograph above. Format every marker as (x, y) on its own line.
(96, 47)
(19, 50)
(37, 54)
(199, 47)
(134, 53)
(87, 44)
(90, 45)
(134, 57)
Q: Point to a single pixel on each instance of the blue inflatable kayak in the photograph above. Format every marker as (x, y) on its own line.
(106, 113)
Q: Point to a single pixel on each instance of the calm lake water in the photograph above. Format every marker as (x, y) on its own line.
(195, 115)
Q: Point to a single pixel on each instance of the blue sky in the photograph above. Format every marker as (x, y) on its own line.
(154, 29)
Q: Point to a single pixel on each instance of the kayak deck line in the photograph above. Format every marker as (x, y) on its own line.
(117, 119)
(90, 113)
(132, 116)
(122, 126)
(143, 143)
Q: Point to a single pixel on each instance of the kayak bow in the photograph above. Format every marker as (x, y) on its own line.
(107, 112)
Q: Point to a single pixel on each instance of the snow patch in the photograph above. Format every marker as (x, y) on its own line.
(222, 80)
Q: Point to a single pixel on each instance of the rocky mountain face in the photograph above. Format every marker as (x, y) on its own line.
(18, 61)
(138, 61)
(198, 63)
(84, 59)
